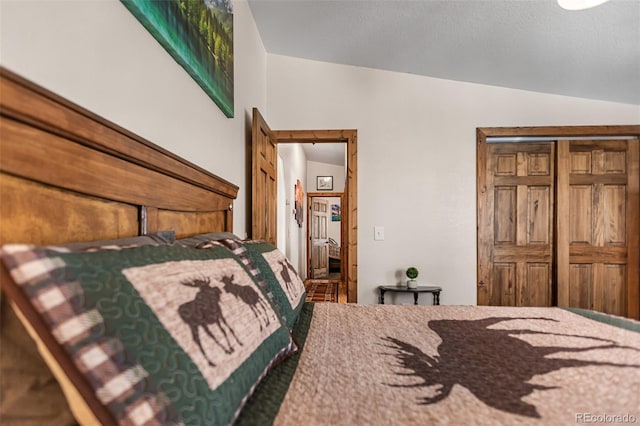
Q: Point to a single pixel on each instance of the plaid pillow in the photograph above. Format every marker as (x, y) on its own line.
(164, 334)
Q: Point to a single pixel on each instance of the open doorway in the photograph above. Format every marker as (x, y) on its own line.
(313, 227)
(325, 254)
(265, 144)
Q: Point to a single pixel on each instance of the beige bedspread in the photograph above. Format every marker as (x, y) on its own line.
(462, 365)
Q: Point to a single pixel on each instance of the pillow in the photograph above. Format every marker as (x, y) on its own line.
(270, 265)
(162, 237)
(203, 238)
(35, 395)
(163, 333)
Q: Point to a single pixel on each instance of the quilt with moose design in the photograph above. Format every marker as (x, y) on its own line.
(220, 334)
(449, 365)
(158, 334)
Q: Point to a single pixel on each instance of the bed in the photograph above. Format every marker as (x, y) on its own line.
(127, 285)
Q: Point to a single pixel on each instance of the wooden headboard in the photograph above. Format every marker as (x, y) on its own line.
(67, 175)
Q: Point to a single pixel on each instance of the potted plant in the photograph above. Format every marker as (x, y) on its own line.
(412, 274)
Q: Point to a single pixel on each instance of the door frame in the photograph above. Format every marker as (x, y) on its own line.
(310, 196)
(556, 132)
(350, 201)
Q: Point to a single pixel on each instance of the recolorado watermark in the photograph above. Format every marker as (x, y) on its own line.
(605, 418)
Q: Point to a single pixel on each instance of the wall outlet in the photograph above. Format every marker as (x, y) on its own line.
(378, 233)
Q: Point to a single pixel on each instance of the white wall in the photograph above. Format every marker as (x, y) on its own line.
(294, 163)
(416, 158)
(416, 135)
(315, 169)
(96, 54)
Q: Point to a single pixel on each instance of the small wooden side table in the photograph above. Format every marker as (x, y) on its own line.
(416, 291)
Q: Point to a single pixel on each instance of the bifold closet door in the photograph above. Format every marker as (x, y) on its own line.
(516, 232)
(597, 225)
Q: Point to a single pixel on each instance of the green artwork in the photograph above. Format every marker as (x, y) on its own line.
(199, 36)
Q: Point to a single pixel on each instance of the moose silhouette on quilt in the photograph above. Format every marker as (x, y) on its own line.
(469, 356)
(224, 316)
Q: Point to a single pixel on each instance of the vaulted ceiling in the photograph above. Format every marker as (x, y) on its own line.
(524, 44)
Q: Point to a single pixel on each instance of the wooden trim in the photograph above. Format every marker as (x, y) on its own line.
(559, 131)
(325, 194)
(319, 136)
(350, 203)
(352, 212)
(483, 249)
(633, 232)
(562, 222)
(26, 102)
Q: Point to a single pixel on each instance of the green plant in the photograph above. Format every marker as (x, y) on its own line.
(412, 273)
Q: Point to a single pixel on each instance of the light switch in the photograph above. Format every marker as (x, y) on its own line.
(378, 233)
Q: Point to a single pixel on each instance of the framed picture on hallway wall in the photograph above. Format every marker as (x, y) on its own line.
(324, 183)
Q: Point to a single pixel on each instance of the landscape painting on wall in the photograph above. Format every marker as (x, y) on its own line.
(199, 36)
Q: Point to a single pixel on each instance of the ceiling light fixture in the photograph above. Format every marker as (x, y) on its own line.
(580, 4)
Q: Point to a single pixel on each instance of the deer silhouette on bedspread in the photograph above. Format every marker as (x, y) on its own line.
(249, 296)
(204, 310)
(469, 356)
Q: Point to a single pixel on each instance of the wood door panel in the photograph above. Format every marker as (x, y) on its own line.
(594, 254)
(581, 285)
(503, 287)
(615, 218)
(581, 216)
(539, 205)
(520, 177)
(505, 215)
(615, 162)
(580, 163)
(534, 253)
(598, 251)
(506, 165)
(539, 164)
(598, 286)
(535, 295)
(611, 289)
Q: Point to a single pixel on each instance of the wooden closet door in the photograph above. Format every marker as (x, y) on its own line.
(516, 233)
(598, 225)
